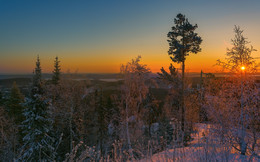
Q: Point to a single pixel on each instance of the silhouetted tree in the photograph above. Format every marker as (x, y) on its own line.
(183, 40)
(239, 55)
(37, 79)
(172, 105)
(56, 71)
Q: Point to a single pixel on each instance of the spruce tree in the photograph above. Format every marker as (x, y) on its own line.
(37, 79)
(183, 40)
(56, 72)
(14, 104)
(38, 144)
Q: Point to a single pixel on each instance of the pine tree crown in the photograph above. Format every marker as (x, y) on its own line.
(183, 39)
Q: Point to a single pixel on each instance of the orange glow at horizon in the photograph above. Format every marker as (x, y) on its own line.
(109, 59)
(205, 61)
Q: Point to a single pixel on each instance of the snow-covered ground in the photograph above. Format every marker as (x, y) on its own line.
(200, 150)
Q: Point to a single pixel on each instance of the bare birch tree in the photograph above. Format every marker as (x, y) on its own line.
(134, 91)
(236, 104)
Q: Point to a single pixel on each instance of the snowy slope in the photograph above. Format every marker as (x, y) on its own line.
(200, 150)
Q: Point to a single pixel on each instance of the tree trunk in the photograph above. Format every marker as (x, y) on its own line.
(242, 136)
(182, 98)
(127, 134)
(182, 88)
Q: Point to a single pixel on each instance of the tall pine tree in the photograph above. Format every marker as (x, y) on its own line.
(38, 144)
(183, 40)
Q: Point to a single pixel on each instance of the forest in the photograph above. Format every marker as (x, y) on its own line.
(139, 116)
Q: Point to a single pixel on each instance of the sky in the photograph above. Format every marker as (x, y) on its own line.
(97, 36)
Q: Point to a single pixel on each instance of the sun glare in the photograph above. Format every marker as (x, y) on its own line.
(243, 68)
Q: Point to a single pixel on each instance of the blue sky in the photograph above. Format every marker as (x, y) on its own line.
(99, 35)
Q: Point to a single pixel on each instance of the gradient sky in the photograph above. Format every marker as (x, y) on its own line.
(99, 35)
